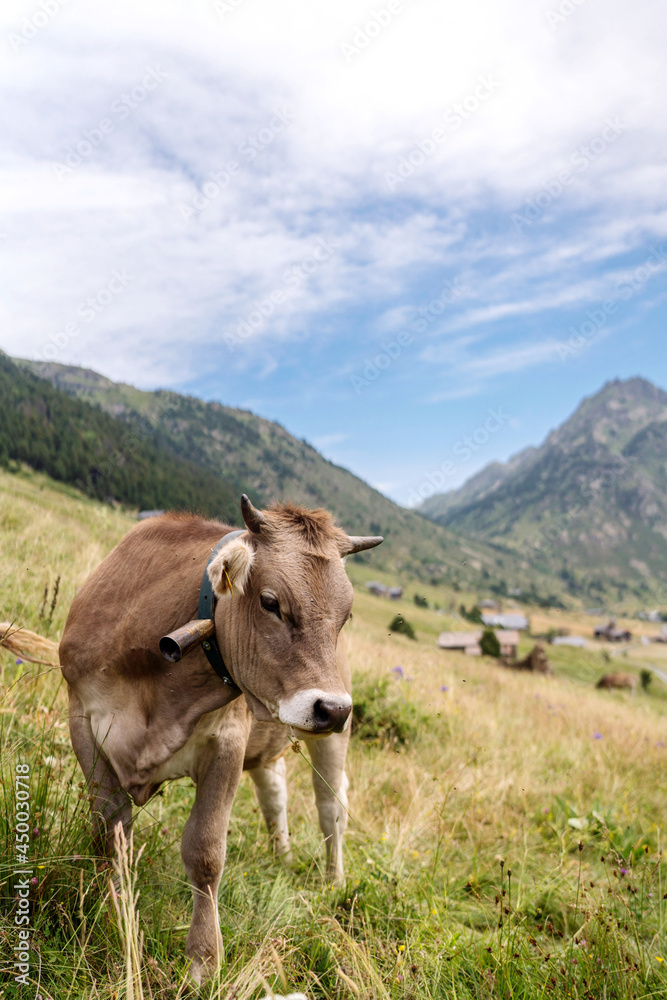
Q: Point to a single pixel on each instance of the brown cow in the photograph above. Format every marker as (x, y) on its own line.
(610, 681)
(136, 720)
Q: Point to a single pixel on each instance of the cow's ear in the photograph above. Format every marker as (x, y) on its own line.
(232, 565)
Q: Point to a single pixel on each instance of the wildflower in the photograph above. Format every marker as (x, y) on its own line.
(624, 871)
(164, 830)
(597, 736)
(444, 688)
(398, 670)
(35, 831)
(19, 662)
(33, 880)
(415, 854)
(401, 947)
(659, 959)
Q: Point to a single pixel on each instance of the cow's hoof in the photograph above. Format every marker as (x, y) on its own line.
(200, 970)
(202, 967)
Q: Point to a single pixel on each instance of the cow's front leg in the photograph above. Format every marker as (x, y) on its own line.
(204, 843)
(271, 787)
(109, 803)
(330, 784)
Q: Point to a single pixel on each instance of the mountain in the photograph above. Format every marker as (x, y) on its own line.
(483, 483)
(247, 453)
(75, 442)
(589, 505)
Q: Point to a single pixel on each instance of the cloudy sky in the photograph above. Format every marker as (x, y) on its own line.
(389, 226)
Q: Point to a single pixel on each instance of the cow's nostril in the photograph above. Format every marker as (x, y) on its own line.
(330, 716)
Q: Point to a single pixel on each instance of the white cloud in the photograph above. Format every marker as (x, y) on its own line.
(322, 177)
(326, 441)
(514, 359)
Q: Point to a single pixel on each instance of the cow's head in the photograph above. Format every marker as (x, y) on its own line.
(279, 624)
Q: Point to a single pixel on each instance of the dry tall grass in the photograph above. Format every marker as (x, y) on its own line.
(482, 804)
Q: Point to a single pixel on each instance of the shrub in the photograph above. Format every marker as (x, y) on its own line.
(489, 643)
(420, 601)
(399, 624)
(645, 677)
(380, 716)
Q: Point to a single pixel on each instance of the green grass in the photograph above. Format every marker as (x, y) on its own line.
(505, 835)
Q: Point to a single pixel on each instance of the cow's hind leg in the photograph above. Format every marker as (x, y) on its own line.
(110, 804)
(271, 787)
(204, 844)
(330, 784)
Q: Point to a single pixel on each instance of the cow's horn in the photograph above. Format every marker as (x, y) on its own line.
(357, 543)
(253, 518)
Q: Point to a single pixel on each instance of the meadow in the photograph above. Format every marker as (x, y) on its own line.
(505, 836)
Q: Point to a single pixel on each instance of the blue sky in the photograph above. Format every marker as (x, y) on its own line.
(415, 234)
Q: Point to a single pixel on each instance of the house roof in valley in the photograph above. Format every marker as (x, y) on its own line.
(466, 640)
(505, 620)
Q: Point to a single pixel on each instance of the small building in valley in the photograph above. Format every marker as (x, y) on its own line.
(507, 620)
(469, 642)
(379, 590)
(461, 642)
(569, 640)
(611, 633)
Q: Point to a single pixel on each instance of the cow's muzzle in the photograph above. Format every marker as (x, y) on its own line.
(317, 712)
(330, 716)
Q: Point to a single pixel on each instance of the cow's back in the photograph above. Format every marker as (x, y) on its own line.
(147, 586)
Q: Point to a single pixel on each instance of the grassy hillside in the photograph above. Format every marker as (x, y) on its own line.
(505, 830)
(78, 443)
(263, 459)
(589, 505)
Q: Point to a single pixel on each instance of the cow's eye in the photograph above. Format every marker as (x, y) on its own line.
(270, 604)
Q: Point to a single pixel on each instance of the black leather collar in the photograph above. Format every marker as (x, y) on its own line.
(206, 609)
